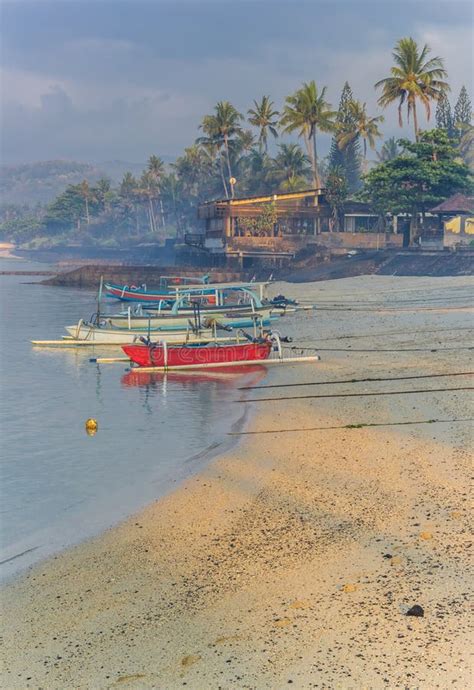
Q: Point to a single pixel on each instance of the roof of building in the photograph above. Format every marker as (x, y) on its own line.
(458, 203)
(266, 197)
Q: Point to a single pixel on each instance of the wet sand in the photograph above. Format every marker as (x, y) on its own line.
(293, 559)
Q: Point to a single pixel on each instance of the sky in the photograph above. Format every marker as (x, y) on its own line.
(120, 80)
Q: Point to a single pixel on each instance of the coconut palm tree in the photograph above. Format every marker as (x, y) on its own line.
(156, 170)
(413, 78)
(307, 111)
(264, 117)
(156, 167)
(291, 162)
(389, 151)
(362, 127)
(147, 191)
(221, 128)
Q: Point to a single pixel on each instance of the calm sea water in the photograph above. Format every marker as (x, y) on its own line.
(59, 485)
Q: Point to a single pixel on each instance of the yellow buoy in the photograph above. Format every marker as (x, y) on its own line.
(91, 426)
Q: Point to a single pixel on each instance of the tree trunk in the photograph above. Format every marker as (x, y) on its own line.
(317, 179)
(226, 146)
(413, 225)
(310, 151)
(151, 214)
(221, 167)
(162, 214)
(415, 120)
(88, 220)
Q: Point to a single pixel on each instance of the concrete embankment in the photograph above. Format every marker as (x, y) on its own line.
(410, 262)
(89, 276)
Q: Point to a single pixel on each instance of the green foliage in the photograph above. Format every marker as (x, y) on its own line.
(336, 194)
(389, 150)
(307, 111)
(265, 118)
(444, 116)
(348, 157)
(261, 225)
(426, 173)
(413, 78)
(462, 110)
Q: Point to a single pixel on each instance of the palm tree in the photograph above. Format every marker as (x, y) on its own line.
(156, 170)
(221, 128)
(291, 164)
(307, 111)
(362, 127)
(389, 151)
(413, 77)
(128, 196)
(148, 190)
(263, 116)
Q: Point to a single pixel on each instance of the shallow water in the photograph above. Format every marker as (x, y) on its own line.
(59, 485)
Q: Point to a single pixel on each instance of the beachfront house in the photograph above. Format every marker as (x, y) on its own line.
(275, 228)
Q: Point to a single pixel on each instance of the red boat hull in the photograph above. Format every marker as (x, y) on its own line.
(186, 356)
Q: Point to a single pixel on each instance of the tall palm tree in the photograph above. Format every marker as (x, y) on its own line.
(307, 111)
(148, 190)
(362, 127)
(222, 127)
(156, 167)
(389, 151)
(212, 148)
(263, 116)
(128, 198)
(156, 170)
(412, 78)
(290, 169)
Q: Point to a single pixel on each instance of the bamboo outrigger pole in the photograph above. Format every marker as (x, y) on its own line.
(214, 365)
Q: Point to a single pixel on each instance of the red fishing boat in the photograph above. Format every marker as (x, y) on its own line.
(203, 356)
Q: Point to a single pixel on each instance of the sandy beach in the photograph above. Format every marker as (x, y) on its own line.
(293, 559)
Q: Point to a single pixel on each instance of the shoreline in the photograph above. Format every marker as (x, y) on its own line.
(290, 558)
(227, 441)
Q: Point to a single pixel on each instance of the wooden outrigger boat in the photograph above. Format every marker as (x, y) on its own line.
(188, 356)
(161, 356)
(240, 315)
(107, 335)
(141, 293)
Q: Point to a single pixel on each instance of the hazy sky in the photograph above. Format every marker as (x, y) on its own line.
(101, 80)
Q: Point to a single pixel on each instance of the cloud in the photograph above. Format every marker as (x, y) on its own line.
(123, 80)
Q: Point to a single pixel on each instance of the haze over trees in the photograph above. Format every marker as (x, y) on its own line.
(231, 156)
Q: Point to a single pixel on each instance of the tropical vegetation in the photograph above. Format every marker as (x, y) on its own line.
(273, 149)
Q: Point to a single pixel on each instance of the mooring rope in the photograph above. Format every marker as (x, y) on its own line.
(366, 380)
(359, 395)
(350, 426)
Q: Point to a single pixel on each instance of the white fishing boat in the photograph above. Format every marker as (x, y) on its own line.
(106, 335)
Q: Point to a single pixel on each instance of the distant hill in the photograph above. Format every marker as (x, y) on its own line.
(29, 183)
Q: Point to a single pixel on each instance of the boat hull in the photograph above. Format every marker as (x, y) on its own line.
(140, 294)
(168, 321)
(208, 355)
(112, 336)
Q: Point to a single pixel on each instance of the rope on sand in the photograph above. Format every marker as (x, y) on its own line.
(350, 426)
(366, 380)
(359, 395)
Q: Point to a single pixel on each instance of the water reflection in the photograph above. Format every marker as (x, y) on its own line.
(59, 485)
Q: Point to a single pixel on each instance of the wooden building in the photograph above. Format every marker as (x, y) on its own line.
(275, 228)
